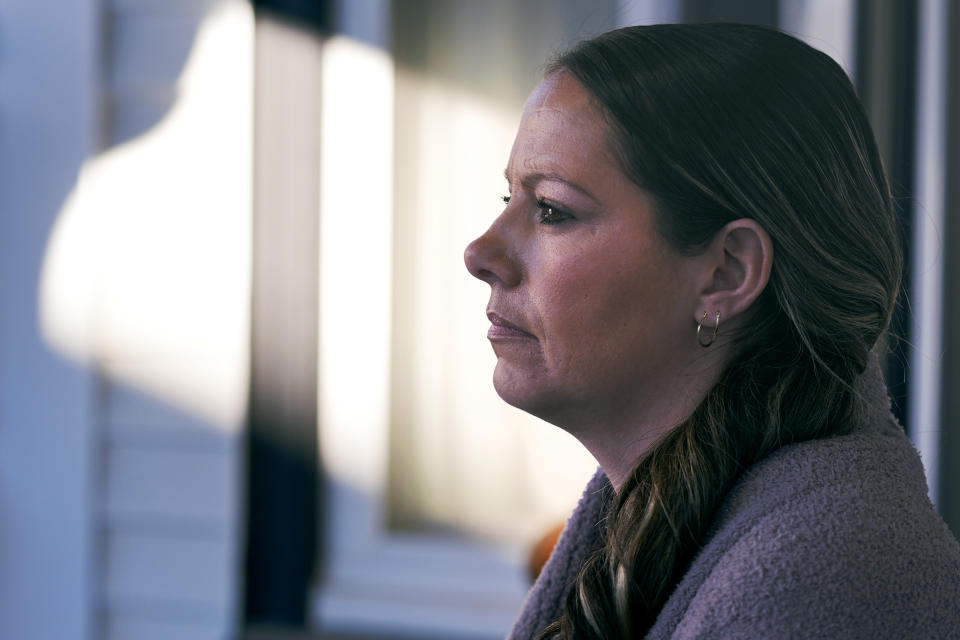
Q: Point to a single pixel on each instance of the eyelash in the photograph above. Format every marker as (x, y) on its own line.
(549, 214)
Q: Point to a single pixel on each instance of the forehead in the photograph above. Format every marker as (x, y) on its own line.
(563, 92)
(561, 130)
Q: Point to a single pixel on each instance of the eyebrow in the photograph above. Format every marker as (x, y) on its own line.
(532, 179)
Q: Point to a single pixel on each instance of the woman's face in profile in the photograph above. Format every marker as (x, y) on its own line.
(590, 309)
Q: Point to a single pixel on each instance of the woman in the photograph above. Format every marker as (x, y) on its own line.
(697, 256)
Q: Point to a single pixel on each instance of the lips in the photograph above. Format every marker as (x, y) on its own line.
(503, 329)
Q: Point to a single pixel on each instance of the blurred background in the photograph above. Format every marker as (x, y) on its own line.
(244, 381)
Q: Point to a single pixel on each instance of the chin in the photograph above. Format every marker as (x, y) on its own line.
(513, 387)
(526, 392)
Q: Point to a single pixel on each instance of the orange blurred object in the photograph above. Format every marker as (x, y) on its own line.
(542, 549)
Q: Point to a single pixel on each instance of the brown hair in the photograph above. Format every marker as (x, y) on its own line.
(720, 122)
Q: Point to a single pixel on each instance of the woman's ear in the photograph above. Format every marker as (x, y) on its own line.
(739, 260)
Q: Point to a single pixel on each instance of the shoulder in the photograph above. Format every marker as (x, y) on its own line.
(831, 538)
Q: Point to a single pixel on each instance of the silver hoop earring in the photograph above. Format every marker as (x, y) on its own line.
(713, 336)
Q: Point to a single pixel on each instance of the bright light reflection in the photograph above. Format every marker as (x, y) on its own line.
(356, 234)
(147, 272)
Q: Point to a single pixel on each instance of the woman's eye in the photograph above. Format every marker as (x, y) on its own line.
(552, 215)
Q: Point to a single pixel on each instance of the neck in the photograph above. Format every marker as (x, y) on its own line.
(620, 440)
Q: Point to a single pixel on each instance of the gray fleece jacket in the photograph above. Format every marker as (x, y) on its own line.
(831, 538)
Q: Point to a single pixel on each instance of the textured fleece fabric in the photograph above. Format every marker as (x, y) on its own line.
(831, 538)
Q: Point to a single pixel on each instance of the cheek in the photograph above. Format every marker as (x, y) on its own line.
(569, 291)
(607, 302)
(591, 299)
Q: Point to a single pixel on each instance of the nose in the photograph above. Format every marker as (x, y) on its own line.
(489, 258)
